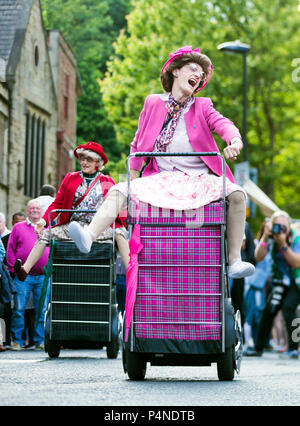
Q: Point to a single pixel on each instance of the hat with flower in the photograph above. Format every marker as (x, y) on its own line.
(183, 51)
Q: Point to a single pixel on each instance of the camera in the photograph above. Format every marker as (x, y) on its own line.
(277, 228)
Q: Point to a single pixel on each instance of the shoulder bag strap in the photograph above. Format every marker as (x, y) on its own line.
(87, 191)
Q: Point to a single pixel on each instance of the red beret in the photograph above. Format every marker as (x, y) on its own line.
(92, 146)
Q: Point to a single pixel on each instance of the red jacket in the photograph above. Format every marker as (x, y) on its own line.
(65, 196)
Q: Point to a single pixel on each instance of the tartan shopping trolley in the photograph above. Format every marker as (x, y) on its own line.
(182, 312)
(82, 312)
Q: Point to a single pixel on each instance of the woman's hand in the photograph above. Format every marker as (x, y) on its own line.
(38, 227)
(261, 249)
(133, 174)
(232, 151)
(267, 231)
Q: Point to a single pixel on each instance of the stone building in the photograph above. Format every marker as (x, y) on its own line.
(34, 141)
(68, 88)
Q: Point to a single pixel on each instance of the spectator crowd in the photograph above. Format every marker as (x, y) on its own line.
(19, 300)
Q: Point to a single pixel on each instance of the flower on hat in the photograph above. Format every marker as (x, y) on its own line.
(179, 52)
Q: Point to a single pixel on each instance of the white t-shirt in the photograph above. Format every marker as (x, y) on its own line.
(45, 201)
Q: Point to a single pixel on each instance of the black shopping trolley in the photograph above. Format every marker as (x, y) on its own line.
(82, 312)
(182, 312)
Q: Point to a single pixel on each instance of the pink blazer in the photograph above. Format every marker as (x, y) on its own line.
(200, 120)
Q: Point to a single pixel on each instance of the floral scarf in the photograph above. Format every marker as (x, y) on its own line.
(174, 109)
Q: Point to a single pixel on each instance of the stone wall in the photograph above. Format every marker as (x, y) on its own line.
(33, 92)
(4, 113)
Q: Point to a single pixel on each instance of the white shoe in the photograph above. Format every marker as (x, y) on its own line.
(240, 269)
(81, 237)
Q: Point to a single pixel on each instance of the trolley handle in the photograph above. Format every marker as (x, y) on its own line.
(65, 211)
(175, 154)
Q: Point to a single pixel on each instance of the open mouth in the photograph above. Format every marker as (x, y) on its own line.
(193, 82)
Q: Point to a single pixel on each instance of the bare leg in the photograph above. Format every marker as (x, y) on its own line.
(34, 256)
(107, 214)
(236, 217)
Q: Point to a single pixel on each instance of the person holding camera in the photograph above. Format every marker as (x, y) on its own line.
(283, 243)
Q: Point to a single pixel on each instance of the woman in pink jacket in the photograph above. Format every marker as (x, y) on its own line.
(176, 121)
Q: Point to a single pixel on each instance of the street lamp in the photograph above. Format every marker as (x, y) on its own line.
(238, 47)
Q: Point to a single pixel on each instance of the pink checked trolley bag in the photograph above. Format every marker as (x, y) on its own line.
(178, 307)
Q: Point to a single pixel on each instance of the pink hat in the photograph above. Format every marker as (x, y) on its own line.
(183, 51)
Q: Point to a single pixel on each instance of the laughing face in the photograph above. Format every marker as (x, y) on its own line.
(188, 78)
(88, 164)
(34, 211)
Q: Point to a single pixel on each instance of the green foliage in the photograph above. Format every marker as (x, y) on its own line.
(134, 71)
(90, 26)
(117, 169)
(154, 28)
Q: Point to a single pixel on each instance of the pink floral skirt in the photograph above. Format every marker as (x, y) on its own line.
(177, 190)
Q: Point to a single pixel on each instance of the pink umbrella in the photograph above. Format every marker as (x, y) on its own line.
(135, 247)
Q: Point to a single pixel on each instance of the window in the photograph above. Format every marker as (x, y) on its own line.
(34, 155)
(36, 56)
(66, 96)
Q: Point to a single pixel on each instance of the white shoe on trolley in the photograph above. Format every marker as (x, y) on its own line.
(240, 269)
(81, 237)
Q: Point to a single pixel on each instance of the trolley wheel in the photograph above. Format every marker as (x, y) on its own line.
(226, 364)
(112, 349)
(52, 347)
(135, 364)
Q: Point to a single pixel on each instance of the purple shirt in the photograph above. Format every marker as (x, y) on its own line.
(21, 240)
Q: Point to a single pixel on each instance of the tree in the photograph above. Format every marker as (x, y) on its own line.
(90, 26)
(155, 28)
